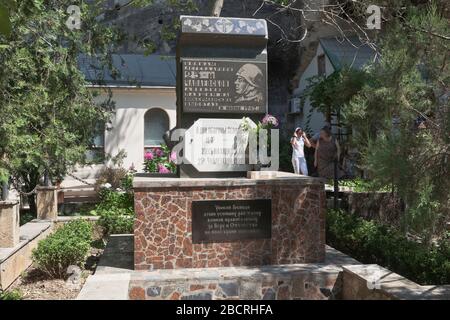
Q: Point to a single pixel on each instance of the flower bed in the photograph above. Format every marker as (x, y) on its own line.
(160, 160)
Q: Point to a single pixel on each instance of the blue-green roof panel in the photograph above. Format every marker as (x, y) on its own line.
(133, 70)
(351, 53)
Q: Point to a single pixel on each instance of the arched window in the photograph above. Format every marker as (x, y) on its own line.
(156, 123)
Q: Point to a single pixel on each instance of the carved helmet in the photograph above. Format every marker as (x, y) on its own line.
(252, 74)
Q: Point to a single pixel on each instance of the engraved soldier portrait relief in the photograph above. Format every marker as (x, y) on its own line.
(249, 84)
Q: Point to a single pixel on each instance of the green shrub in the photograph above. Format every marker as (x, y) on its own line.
(26, 217)
(371, 242)
(116, 211)
(116, 221)
(79, 229)
(15, 294)
(68, 245)
(111, 199)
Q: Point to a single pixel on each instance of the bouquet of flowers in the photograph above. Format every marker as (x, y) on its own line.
(160, 160)
(269, 122)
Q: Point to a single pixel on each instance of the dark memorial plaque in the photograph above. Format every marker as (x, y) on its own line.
(230, 220)
(224, 86)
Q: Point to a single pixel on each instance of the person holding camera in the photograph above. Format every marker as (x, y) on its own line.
(298, 141)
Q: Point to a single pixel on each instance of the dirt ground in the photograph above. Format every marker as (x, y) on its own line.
(35, 285)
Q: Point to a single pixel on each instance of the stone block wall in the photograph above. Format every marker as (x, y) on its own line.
(373, 282)
(383, 207)
(272, 283)
(163, 225)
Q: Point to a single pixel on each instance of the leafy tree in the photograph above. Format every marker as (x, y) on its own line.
(329, 94)
(400, 115)
(47, 114)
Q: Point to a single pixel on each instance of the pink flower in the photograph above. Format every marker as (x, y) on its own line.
(270, 120)
(148, 156)
(162, 169)
(159, 152)
(173, 156)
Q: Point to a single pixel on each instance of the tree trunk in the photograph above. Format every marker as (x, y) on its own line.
(216, 7)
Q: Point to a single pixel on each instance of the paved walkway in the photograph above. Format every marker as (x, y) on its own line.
(115, 270)
(112, 276)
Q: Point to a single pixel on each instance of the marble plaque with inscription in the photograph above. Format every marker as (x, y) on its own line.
(231, 220)
(217, 145)
(224, 86)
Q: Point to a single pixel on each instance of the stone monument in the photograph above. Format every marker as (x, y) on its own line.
(219, 212)
(222, 76)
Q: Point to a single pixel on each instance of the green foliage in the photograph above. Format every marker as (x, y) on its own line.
(68, 245)
(4, 176)
(79, 229)
(5, 24)
(26, 217)
(409, 82)
(112, 199)
(360, 185)
(15, 294)
(371, 242)
(382, 105)
(116, 208)
(47, 114)
(425, 215)
(330, 94)
(116, 221)
(127, 182)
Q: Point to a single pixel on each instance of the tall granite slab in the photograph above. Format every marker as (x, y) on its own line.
(221, 74)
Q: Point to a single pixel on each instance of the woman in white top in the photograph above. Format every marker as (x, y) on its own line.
(298, 142)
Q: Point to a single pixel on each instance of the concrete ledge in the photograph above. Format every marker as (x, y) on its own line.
(253, 273)
(105, 287)
(13, 261)
(64, 219)
(369, 282)
(61, 220)
(265, 178)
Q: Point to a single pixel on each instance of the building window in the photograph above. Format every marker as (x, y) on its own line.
(321, 67)
(96, 152)
(156, 124)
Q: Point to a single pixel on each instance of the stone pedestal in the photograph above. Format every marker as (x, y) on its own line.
(47, 203)
(9, 223)
(164, 222)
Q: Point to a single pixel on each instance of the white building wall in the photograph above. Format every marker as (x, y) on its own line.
(317, 119)
(127, 130)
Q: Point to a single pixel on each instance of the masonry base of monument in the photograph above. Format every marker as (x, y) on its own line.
(163, 232)
(281, 282)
